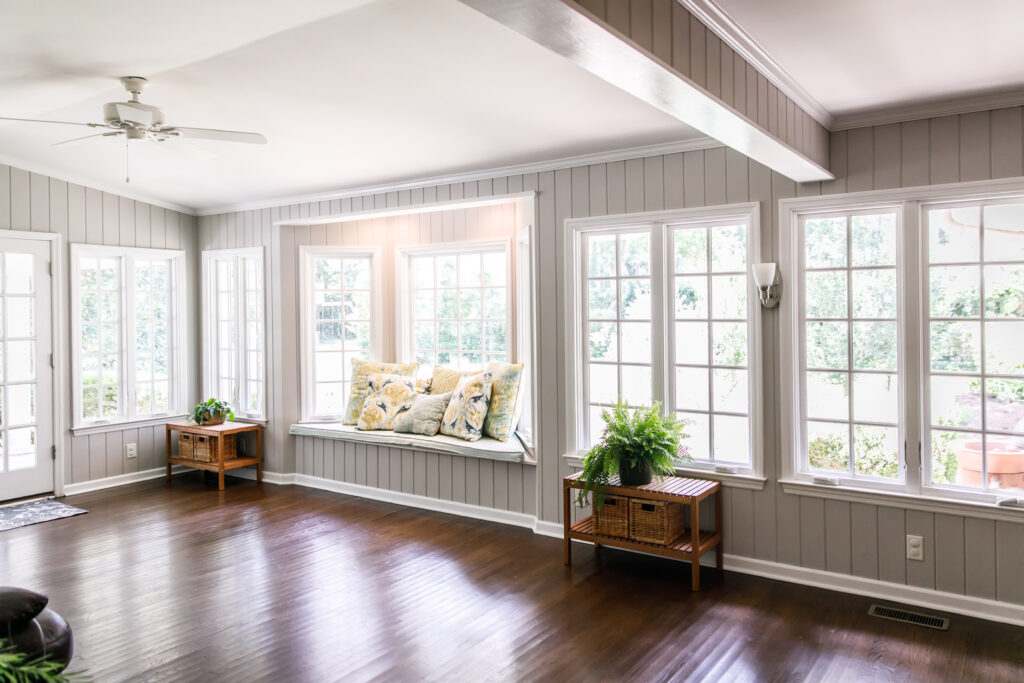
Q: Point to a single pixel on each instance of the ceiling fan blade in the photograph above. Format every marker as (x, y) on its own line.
(127, 112)
(223, 135)
(65, 123)
(87, 137)
(194, 152)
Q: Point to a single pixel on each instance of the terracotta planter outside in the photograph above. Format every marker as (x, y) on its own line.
(1005, 465)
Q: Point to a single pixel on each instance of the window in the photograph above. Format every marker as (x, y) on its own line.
(457, 305)
(130, 336)
(975, 346)
(661, 310)
(851, 373)
(902, 336)
(340, 318)
(234, 330)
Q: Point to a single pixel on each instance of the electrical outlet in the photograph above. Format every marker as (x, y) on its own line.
(915, 547)
(131, 450)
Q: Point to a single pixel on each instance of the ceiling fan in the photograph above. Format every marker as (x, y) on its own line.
(138, 121)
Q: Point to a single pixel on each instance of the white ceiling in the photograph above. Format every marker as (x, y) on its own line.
(862, 55)
(348, 93)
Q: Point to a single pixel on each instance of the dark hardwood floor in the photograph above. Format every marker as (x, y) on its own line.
(183, 582)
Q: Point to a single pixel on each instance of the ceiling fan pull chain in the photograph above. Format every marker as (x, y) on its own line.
(127, 179)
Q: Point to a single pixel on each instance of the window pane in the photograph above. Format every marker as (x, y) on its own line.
(447, 271)
(698, 430)
(729, 249)
(828, 395)
(601, 255)
(954, 235)
(1004, 232)
(1004, 347)
(330, 398)
(423, 335)
(356, 273)
(732, 439)
(1004, 291)
(1004, 405)
(874, 346)
(828, 446)
(20, 316)
(494, 268)
(729, 343)
(326, 273)
(690, 250)
(691, 295)
(636, 299)
(21, 404)
(874, 294)
(422, 272)
(956, 458)
(636, 385)
(827, 345)
(955, 346)
(874, 240)
(729, 296)
(602, 300)
(692, 343)
(877, 451)
(447, 304)
(469, 303)
(357, 305)
(692, 389)
(955, 291)
(731, 391)
(825, 243)
(1004, 457)
(875, 398)
(469, 270)
(636, 342)
(20, 272)
(826, 294)
(604, 383)
(604, 341)
(956, 401)
(494, 302)
(635, 255)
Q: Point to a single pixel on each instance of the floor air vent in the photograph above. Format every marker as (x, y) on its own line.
(908, 617)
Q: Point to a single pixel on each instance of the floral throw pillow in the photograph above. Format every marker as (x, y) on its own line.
(506, 400)
(466, 412)
(361, 369)
(388, 399)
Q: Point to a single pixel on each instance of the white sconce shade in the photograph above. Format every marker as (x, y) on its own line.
(769, 285)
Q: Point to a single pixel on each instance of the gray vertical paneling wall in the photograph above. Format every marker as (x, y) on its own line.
(31, 201)
(968, 556)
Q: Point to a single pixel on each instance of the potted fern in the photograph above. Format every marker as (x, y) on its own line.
(637, 445)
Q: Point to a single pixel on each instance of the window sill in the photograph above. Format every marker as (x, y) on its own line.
(486, 448)
(252, 420)
(103, 428)
(904, 501)
(735, 481)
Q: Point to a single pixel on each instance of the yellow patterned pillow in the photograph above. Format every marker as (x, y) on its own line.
(465, 414)
(388, 399)
(423, 386)
(445, 380)
(506, 400)
(361, 389)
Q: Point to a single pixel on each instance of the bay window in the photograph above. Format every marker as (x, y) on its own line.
(129, 331)
(660, 307)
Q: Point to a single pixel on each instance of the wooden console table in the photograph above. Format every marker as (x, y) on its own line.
(689, 547)
(217, 432)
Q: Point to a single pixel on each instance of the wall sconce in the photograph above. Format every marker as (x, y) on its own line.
(769, 283)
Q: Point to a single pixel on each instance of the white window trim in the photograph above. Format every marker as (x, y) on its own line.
(910, 201)
(403, 313)
(180, 367)
(306, 335)
(210, 327)
(663, 387)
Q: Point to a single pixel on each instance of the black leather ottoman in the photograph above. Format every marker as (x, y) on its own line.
(31, 628)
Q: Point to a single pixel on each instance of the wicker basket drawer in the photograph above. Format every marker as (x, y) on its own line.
(613, 517)
(185, 445)
(204, 448)
(655, 521)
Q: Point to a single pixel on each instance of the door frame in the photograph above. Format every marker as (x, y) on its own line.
(61, 439)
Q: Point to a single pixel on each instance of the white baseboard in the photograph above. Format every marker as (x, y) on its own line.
(268, 477)
(412, 500)
(981, 608)
(121, 480)
(553, 529)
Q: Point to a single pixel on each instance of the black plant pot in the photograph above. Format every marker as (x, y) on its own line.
(637, 475)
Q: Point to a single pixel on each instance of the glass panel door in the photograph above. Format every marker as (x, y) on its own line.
(26, 378)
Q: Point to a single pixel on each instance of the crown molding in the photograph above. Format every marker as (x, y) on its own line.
(112, 188)
(931, 109)
(717, 20)
(472, 176)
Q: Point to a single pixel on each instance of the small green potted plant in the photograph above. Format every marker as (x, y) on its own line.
(212, 412)
(637, 446)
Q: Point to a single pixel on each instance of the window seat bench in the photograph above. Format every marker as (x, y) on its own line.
(487, 448)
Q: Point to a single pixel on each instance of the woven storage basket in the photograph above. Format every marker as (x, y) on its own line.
(613, 517)
(204, 448)
(185, 445)
(655, 521)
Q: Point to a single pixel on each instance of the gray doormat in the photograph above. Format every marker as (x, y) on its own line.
(34, 512)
